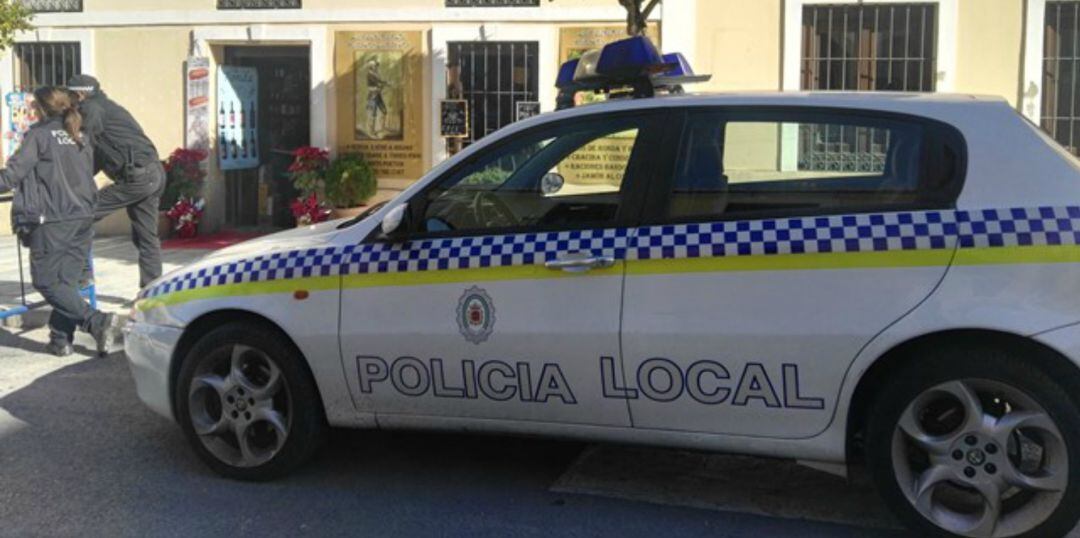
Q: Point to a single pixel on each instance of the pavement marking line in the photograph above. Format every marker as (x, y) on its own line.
(727, 483)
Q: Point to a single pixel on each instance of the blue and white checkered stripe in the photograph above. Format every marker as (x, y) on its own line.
(849, 233)
(879, 232)
(279, 265)
(486, 251)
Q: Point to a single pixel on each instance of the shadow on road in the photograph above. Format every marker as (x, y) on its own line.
(79, 454)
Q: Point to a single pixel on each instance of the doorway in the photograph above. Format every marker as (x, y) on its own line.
(259, 195)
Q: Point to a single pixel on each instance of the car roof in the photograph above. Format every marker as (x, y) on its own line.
(924, 104)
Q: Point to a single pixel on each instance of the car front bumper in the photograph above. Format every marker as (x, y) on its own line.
(149, 349)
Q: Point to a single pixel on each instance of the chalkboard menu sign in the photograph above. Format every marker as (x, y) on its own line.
(527, 109)
(454, 118)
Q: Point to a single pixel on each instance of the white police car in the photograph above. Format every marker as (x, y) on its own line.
(888, 279)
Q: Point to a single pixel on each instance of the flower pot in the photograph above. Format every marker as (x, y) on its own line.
(164, 226)
(346, 212)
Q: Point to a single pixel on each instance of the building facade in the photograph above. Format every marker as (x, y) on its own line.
(251, 80)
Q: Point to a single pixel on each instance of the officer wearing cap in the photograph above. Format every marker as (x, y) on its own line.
(124, 152)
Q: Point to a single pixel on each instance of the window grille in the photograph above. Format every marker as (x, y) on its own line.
(879, 47)
(53, 6)
(46, 64)
(869, 47)
(1061, 60)
(495, 76)
(259, 4)
(842, 148)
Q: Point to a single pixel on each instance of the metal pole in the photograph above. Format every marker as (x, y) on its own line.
(22, 279)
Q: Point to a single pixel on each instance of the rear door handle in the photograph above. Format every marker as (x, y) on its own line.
(579, 262)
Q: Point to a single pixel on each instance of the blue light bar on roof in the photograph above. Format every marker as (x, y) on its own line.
(566, 74)
(627, 57)
(679, 66)
(628, 63)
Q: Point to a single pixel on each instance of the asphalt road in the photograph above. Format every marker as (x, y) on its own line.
(80, 455)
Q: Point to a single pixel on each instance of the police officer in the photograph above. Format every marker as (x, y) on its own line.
(123, 151)
(52, 174)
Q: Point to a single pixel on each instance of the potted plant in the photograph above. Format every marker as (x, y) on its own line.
(184, 176)
(349, 184)
(307, 173)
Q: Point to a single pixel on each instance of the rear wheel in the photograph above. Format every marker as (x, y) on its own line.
(977, 442)
(248, 404)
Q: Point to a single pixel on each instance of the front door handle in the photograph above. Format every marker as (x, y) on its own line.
(579, 262)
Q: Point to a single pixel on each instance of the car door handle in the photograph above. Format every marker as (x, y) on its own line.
(580, 262)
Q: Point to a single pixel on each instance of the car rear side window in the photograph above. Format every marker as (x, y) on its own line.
(749, 165)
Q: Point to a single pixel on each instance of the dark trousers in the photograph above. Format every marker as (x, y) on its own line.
(140, 195)
(58, 252)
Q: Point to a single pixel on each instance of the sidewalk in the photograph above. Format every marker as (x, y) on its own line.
(22, 359)
(115, 264)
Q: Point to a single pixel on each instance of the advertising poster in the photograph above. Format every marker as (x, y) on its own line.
(602, 162)
(238, 94)
(197, 109)
(380, 80)
(21, 115)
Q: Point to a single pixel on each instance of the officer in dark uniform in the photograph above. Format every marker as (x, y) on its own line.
(52, 174)
(123, 151)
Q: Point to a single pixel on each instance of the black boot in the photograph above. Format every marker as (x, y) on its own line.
(104, 333)
(60, 349)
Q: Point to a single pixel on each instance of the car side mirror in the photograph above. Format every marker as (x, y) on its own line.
(392, 222)
(551, 183)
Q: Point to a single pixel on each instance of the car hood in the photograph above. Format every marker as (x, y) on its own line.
(312, 236)
(304, 237)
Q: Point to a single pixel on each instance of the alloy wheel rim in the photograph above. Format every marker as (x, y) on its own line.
(239, 405)
(980, 458)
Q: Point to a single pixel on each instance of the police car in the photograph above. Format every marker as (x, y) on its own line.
(884, 279)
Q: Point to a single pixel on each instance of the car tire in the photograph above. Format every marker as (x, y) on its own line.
(248, 404)
(964, 422)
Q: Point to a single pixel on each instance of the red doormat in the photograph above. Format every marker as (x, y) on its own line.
(211, 242)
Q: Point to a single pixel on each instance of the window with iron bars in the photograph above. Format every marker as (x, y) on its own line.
(878, 47)
(495, 76)
(54, 6)
(259, 4)
(46, 64)
(1061, 60)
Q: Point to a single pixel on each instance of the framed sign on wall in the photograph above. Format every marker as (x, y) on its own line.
(454, 118)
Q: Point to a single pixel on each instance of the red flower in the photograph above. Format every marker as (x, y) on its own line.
(307, 159)
(309, 210)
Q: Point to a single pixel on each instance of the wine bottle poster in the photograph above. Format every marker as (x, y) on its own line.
(237, 109)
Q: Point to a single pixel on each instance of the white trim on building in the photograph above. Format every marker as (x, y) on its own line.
(946, 39)
(1034, 33)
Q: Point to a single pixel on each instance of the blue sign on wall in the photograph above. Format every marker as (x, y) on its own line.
(238, 106)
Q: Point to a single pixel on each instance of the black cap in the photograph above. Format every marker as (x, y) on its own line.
(83, 83)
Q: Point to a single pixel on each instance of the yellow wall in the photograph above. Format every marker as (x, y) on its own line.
(989, 46)
(738, 42)
(143, 70)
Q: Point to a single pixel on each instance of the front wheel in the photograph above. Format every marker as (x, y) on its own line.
(248, 404)
(977, 442)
